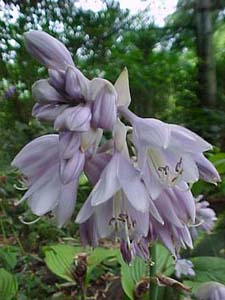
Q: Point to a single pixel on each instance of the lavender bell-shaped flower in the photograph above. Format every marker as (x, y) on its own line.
(177, 209)
(39, 162)
(184, 267)
(205, 218)
(113, 206)
(168, 154)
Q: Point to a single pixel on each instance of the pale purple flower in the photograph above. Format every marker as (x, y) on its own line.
(205, 218)
(115, 219)
(177, 209)
(68, 98)
(211, 291)
(169, 154)
(39, 161)
(184, 267)
(116, 208)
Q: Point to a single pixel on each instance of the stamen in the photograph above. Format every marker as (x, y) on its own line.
(20, 201)
(178, 167)
(20, 188)
(164, 169)
(28, 222)
(198, 224)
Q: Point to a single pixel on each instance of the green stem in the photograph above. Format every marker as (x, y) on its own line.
(153, 267)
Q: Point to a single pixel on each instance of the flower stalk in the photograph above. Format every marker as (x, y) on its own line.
(153, 291)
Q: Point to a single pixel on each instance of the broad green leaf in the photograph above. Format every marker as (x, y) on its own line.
(8, 256)
(98, 255)
(219, 161)
(164, 261)
(8, 285)
(132, 274)
(207, 268)
(59, 259)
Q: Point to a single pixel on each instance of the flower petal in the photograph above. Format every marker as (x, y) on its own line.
(122, 88)
(74, 118)
(207, 171)
(152, 132)
(46, 198)
(185, 140)
(67, 200)
(108, 183)
(104, 109)
(135, 192)
(76, 84)
(71, 168)
(44, 93)
(47, 112)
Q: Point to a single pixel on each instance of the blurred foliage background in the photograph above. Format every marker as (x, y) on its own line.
(176, 74)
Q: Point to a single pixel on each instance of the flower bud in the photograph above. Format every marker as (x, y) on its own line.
(75, 118)
(104, 107)
(123, 90)
(75, 84)
(70, 169)
(126, 252)
(47, 50)
(43, 92)
(56, 79)
(47, 113)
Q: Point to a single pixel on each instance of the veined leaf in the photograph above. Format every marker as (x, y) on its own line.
(59, 259)
(8, 285)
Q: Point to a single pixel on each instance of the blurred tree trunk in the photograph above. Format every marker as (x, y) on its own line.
(206, 63)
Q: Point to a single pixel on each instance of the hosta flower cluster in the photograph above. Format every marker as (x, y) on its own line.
(141, 177)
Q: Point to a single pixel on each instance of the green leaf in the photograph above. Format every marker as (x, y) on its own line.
(164, 261)
(219, 161)
(132, 274)
(8, 285)
(59, 259)
(8, 256)
(207, 268)
(98, 256)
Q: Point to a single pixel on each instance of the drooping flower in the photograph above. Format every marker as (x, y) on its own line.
(169, 154)
(39, 161)
(177, 209)
(184, 267)
(115, 207)
(205, 217)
